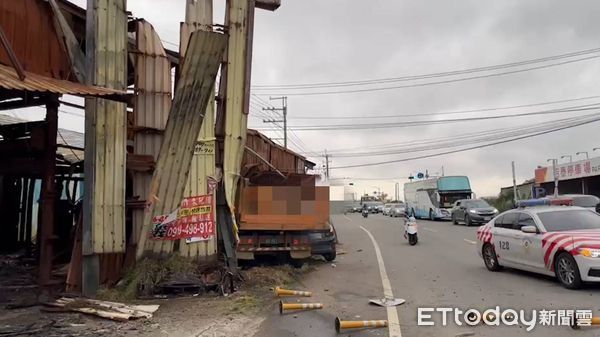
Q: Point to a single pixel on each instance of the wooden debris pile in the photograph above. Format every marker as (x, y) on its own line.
(111, 310)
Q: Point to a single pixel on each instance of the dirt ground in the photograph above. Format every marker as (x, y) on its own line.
(211, 315)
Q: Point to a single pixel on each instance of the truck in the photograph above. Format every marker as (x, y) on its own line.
(287, 217)
(433, 198)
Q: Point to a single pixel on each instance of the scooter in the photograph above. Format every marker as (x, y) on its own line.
(410, 231)
(365, 213)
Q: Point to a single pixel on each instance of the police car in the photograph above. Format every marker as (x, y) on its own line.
(546, 236)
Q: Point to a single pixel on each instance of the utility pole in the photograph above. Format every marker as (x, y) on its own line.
(555, 175)
(283, 109)
(515, 197)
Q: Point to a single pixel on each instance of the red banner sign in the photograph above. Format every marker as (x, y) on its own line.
(193, 219)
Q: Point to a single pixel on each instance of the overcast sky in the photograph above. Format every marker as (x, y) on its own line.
(311, 41)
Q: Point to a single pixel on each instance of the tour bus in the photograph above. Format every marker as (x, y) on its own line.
(433, 198)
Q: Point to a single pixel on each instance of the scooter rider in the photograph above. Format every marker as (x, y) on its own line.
(365, 210)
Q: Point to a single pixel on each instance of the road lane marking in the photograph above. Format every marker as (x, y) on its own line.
(471, 242)
(429, 229)
(392, 312)
(347, 218)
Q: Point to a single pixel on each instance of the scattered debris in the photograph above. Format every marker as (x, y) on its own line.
(465, 334)
(387, 302)
(333, 265)
(359, 250)
(110, 310)
(342, 252)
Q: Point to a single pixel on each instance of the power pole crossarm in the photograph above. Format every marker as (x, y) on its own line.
(283, 109)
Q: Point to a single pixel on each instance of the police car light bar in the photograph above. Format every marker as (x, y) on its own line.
(545, 202)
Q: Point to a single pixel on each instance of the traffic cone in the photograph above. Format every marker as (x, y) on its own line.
(340, 325)
(286, 292)
(298, 306)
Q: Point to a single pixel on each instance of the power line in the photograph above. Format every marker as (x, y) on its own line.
(315, 93)
(529, 105)
(595, 119)
(458, 142)
(440, 121)
(423, 76)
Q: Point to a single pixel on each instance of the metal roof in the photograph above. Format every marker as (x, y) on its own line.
(38, 83)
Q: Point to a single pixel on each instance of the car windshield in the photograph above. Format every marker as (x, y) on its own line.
(558, 221)
(398, 206)
(477, 203)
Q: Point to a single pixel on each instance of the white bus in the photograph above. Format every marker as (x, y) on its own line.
(433, 198)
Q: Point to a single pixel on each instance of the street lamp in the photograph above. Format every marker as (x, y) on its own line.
(553, 160)
(596, 148)
(587, 156)
(567, 155)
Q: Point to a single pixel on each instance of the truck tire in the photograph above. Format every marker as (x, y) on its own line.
(331, 255)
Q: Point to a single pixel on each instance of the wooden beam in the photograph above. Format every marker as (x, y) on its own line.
(76, 56)
(11, 54)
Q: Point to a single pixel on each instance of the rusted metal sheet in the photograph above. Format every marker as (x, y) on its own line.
(199, 16)
(283, 159)
(33, 82)
(192, 96)
(237, 94)
(105, 130)
(29, 27)
(152, 105)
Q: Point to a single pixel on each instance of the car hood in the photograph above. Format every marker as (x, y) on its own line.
(484, 209)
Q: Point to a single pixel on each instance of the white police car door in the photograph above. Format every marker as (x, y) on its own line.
(506, 238)
(529, 249)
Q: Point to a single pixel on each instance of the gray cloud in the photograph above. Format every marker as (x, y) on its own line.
(309, 41)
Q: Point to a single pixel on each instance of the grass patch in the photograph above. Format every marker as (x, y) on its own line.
(244, 304)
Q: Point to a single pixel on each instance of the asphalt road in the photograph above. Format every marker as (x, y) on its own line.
(442, 270)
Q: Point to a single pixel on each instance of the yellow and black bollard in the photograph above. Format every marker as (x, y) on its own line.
(286, 292)
(298, 306)
(340, 325)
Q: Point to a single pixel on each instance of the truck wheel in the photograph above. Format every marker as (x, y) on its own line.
(330, 256)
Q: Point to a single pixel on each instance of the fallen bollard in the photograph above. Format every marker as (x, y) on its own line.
(298, 306)
(286, 292)
(577, 322)
(340, 325)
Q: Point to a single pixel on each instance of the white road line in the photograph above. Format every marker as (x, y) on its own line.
(392, 312)
(347, 218)
(431, 230)
(471, 242)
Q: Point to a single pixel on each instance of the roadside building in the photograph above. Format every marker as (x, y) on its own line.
(579, 177)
